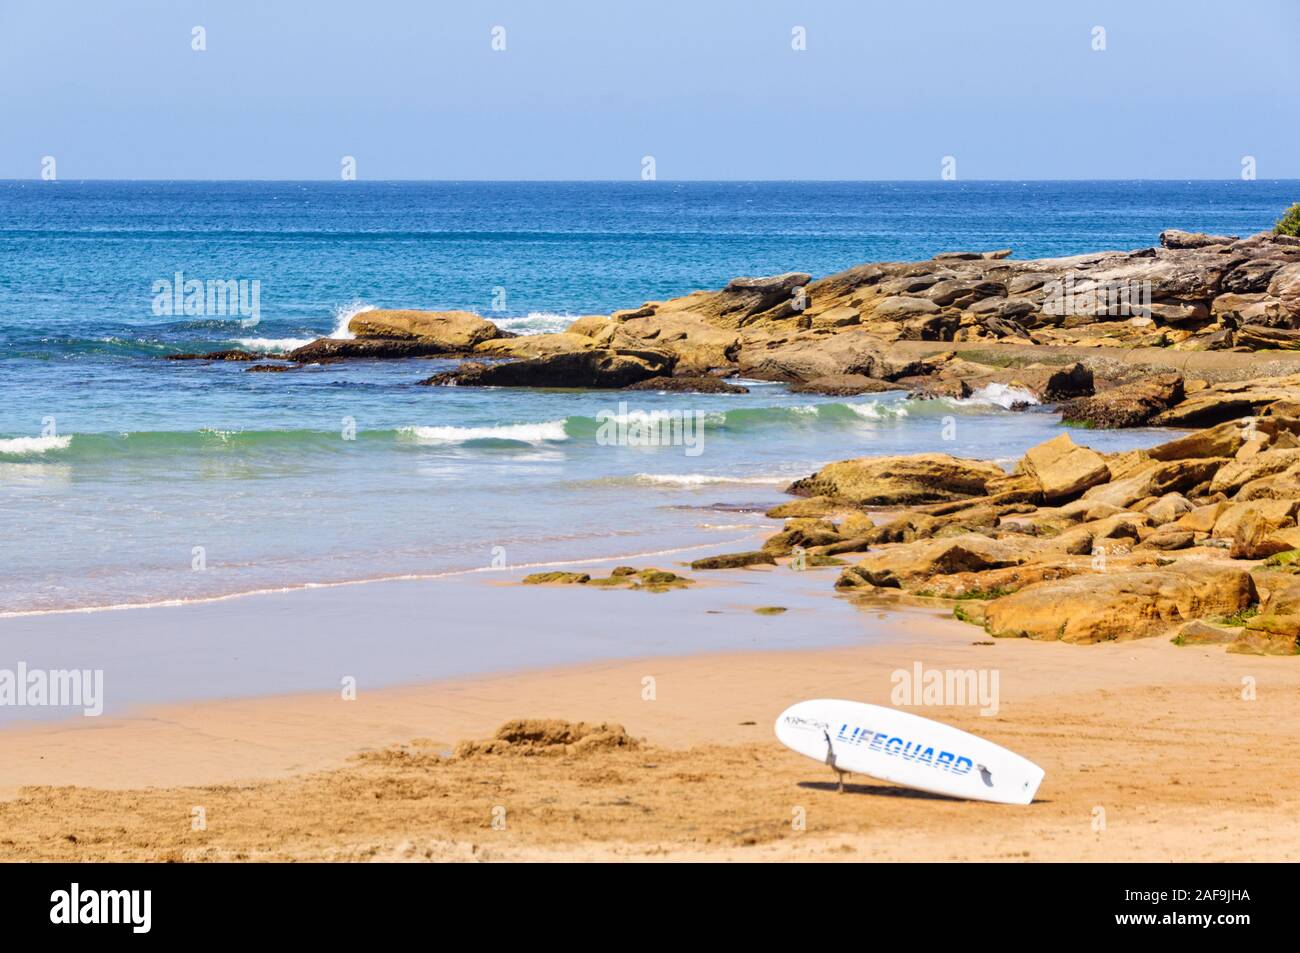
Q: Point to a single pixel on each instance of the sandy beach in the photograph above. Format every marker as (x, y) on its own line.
(1151, 751)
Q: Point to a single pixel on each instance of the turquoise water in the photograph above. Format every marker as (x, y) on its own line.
(115, 464)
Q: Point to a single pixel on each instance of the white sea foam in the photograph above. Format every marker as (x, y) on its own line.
(705, 479)
(272, 345)
(535, 322)
(874, 410)
(24, 446)
(551, 431)
(998, 395)
(343, 314)
(663, 416)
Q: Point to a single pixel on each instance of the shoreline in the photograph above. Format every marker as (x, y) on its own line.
(816, 619)
(402, 577)
(466, 625)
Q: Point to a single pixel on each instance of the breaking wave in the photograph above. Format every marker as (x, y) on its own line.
(705, 479)
(831, 415)
(549, 432)
(272, 345)
(344, 314)
(997, 395)
(536, 322)
(32, 446)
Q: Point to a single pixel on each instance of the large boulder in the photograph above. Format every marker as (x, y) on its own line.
(900, 307)
(455, 331)
(1181, 275)
(742, 302)
(1128, 405)
(1122, 605)
(1063, 469)
(391, 335)
(1285, 286)
(1260, 535)
(331, 350)
(1275, 513)
(1228, 401)
(1155, 479)
(957, 377)
(809, 357)
(902, 566)
(780, 286)
(1221, 441)
(1177, 238)
(1232, 476)
(595, 368)
(1275, 629)
(897, 481)
(1168, 508)
(1260, 337)
(689, 385)
(699, 346)
(843, 385)
(530, 346)
(1051, 383)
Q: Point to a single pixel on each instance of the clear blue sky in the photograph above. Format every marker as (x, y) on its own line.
(710, 88)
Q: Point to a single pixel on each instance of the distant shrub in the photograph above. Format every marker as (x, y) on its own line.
(1289, 223)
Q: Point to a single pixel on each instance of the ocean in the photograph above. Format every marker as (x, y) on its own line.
(129, 479)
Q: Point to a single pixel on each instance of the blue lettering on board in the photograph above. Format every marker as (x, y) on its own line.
(898, 747)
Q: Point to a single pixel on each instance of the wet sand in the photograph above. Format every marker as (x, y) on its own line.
(1150, 751)
(388, 633)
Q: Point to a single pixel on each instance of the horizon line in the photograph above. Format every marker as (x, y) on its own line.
(649, 182)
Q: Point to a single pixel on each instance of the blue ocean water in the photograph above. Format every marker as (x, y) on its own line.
(120, 472)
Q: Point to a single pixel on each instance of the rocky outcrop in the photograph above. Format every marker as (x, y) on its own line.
(917, 561)
(1176, 238)
(233, 354)
(688, 385)
(621, 577)
(894, 481)
(595, 368)
(1114, 606)
(393, 335)
(532, 346)
(1064, 470)
(1228, 401)
(1077, 545)
(331, 350)
(1129, 405)
(838, 334)
(735, 560)
(846, 333)
(843, 385)
(817, 355)
(698, 346)
(457, 332)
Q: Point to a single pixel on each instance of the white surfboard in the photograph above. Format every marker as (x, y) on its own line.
(907, 749)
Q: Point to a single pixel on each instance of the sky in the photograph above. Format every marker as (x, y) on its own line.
(711, 89)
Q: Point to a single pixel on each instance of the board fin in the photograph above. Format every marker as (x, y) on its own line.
(830, 759)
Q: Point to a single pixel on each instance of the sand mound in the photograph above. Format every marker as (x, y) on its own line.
(533, 736)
